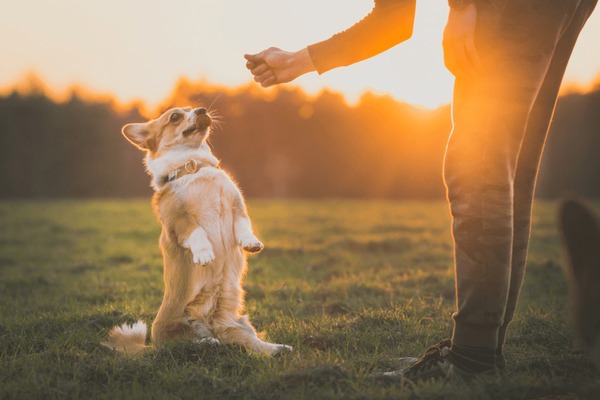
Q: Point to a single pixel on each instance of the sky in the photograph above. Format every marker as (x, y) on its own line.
(137, 50)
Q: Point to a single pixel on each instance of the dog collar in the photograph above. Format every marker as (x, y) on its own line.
(190, 167)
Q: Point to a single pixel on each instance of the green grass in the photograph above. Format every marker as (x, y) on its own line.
(352, 285)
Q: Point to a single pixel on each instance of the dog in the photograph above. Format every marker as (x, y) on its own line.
(580, 228)
(206, 233)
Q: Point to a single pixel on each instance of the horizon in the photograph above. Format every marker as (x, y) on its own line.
(32, 83)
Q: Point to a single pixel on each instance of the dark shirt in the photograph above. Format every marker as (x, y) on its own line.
(389, 23)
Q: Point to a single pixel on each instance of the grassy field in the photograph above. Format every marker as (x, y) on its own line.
(352, 285)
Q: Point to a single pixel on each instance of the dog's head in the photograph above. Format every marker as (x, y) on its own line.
(177, 127)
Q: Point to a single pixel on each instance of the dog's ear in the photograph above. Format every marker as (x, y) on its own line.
(140, 135)
(581, 236)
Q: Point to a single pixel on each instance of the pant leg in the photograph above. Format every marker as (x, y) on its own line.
(516, 41)
(531, 154)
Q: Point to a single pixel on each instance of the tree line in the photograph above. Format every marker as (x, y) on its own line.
(280, 143)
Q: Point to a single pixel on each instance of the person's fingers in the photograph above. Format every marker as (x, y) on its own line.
(269, 82)
(255, 58)
(263, 72)
(264, 77)
(260, 69)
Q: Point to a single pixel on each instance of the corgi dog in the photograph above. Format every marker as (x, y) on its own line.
(580, 228)
(206, 233)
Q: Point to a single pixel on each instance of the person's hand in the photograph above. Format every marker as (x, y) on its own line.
(460, 54)
(273, 66)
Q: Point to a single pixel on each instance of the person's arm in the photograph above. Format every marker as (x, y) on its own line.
(389, 23)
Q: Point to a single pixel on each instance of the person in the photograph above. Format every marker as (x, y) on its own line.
(508, 58)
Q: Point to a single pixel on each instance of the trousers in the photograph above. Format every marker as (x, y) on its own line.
(500, 122)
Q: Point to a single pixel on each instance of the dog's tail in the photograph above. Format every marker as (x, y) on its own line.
(128, 339)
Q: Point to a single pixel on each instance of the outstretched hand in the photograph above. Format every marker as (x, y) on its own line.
(460, 54)
(273, 65)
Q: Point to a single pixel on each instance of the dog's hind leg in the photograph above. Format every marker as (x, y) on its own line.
(200, 310)
(165, 332)
(171, 322)
(203, 333)
(269, 348)
(241, 332)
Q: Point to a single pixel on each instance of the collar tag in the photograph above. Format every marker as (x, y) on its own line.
(191, 166)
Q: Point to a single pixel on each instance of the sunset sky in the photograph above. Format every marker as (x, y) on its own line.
(138, 49)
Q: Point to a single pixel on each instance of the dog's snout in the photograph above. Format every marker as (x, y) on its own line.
(200, 111)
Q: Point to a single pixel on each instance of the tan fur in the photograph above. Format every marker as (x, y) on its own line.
(205, 230)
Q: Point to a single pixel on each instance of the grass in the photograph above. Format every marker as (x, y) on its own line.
(352, 285)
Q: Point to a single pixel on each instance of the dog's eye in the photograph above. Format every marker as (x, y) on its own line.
(175, 117)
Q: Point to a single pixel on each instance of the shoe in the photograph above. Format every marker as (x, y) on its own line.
(403, 363)
(407, 363)
(436, 365)
(433, 365)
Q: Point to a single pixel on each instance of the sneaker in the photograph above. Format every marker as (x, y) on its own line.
(407, 363)
(436, 365)
(433, 365)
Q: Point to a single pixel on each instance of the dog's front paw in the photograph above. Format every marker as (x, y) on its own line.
(203, 256)
(251, 244)
(199, 245)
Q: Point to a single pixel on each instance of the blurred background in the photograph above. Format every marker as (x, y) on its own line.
(73, 73)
